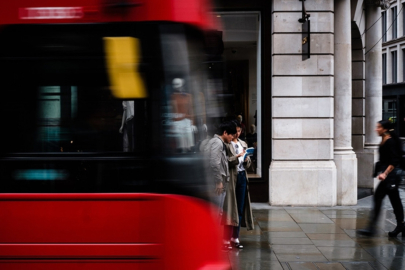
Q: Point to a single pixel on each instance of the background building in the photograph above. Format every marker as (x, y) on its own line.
(315, 115)
(392, 21)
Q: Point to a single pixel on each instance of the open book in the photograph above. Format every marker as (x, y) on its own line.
(249, 152)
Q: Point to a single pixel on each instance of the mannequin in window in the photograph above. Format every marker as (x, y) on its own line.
(240, 120)
(183, 116)
(127, 125)
(251, 137)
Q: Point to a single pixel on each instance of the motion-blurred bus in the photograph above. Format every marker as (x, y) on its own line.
(104, 107)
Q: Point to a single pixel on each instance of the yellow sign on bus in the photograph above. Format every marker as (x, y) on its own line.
(123, 57)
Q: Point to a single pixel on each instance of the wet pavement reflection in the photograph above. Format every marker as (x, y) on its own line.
(318, 238)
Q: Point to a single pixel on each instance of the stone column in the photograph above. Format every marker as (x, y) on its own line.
(302, 171)
(345, 158)
(373, 95)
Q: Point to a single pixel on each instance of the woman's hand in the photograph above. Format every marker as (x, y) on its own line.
(382, 176)
(241, 154)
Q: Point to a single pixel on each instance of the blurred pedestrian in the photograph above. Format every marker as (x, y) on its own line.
(387, 170)
(237, 200)
(217, 169)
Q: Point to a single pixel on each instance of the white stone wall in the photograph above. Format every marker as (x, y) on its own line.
(303, 171)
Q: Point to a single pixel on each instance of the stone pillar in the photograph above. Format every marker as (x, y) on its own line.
(345, 158)
(373, 95)
(302, 171)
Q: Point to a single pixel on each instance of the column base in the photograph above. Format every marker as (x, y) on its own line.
(366, 160)
(302, 183)
(346, 174)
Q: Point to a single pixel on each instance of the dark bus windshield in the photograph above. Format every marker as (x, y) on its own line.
(56, 91)
(66, 131)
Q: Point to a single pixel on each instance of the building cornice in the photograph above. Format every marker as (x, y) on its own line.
(393, 41)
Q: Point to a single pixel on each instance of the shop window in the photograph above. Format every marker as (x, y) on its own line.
(384, 26)
(394, 22)
(390, 110)
(238, 73)
(403, 20)
(384, 68)
(403, 64)
(394, 66)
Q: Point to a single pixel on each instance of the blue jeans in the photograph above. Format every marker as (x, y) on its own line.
(240, 192)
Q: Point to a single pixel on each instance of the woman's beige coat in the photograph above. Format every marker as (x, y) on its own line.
(230, 216)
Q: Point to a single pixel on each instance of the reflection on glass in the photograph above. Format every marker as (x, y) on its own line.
(76, 119)
(390, 110)
(73, 101)
(49, 117)
(127, 125)
(183, 116)
(39, 174)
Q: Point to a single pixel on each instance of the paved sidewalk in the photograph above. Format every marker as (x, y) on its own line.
(319, 238)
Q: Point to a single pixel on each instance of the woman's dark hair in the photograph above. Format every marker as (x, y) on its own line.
(228, 126)
(386, 124)
(237, 123)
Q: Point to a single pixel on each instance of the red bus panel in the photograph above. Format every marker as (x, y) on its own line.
(108, 231)
(193, 12)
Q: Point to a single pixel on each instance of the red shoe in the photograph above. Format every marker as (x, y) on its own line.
(226, 246)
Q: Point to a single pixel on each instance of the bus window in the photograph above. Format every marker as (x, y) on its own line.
(72, 119)
(68, 132)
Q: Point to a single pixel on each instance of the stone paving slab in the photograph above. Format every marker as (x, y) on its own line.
(319, 238)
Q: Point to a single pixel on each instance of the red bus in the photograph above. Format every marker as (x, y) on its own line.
(104, 105)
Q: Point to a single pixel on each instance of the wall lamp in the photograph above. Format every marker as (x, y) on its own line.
(306, 33)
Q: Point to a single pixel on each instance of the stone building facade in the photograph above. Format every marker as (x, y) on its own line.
(317, 115)
(393, 56)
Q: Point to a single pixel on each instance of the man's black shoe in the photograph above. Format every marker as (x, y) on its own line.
(370, 231)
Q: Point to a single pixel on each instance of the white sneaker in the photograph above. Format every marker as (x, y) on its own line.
(235, 240)
(236, 243)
